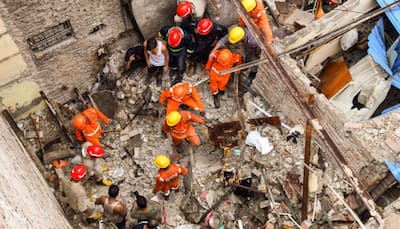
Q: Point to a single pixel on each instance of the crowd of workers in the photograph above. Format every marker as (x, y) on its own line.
(194, 38)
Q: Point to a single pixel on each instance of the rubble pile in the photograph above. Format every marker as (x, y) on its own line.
(239, 186)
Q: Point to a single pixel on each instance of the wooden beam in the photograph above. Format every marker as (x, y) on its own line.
(307, 155)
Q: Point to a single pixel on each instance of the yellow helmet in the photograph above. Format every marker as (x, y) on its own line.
(236, 34)
(173, 118)
(162, 161)
(249, 5)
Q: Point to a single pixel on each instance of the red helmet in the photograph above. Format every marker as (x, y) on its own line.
(184, 9)
(204, 26)
(175, 35)
(78, 172)
(95, 151)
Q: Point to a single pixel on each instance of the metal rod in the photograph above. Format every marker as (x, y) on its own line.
(316, 42)
(307, 154)
(268, 114)
(338, 196)
(243, 66)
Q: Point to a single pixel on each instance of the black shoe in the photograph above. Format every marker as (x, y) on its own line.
(159, 82)
(251, 77)
(221, 92)
(149, 80)
(166, 198)
(216, 101)
(171, 73)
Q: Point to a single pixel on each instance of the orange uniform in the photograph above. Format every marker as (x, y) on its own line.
(260, 19)
(92, 129)
(184, 129)
(190, 97)
(168, 178)
(218, 82)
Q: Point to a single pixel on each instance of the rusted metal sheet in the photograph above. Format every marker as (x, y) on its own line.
(225, 134)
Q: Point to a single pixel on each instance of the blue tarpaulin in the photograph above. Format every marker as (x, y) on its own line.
(393, 14)
(378, 51)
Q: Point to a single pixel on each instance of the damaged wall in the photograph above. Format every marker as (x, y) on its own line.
(73, 61)
(21, 182)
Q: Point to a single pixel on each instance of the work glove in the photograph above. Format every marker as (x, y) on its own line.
(209, 125)
(164, 135)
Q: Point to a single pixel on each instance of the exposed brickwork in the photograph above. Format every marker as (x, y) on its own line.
(72, 62)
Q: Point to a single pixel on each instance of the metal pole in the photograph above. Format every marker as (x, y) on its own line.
(307, 154)
(317, 42)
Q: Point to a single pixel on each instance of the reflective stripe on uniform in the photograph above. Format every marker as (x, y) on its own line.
(175, 50)
(179, 132)
(94, 132)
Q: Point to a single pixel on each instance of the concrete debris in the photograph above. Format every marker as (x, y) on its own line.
(278, 168)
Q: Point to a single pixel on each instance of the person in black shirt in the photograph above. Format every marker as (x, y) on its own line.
(134, 57)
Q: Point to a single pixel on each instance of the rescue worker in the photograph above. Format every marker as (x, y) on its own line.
(168, 175)
(93, 155)
(206, 35)
(134, 57)
(256, 12)
(221, 60)
(178, 123)
(146, 210)
(157, 59)
(239, 40)
(179, 45)
(114, 210)
(87, 123)
(75, 194)
(182, 94)
(188, 12)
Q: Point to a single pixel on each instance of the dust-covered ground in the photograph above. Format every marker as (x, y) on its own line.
(272, 193)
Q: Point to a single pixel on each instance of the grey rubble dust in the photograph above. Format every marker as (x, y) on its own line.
(131, 153)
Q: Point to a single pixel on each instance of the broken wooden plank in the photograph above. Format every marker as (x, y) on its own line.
(55, 115)
(225, 134)
(58, 155)
(307, 154)
(35, 126)
(68, 111)
(274, 121)
(21, 138)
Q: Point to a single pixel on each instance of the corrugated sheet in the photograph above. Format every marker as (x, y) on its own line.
(393, 14)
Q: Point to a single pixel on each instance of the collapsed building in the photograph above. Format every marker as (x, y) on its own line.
(334, 176)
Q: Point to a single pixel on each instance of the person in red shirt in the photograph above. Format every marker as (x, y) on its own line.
(86, 124)
(168, 175)
(182, 93)
(178, 123)
(219, 61)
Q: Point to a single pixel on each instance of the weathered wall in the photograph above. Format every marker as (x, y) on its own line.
(72, 62)
(26, 200)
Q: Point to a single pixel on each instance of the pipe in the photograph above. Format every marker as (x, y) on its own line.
(268, 114)
(316, 42)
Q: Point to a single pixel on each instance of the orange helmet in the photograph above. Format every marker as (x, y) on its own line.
(79, 122)
(175, 35)
(178, 92)
(184, 9)
(78, 172)
(204, 26)
(95, 151)
(224, 56)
